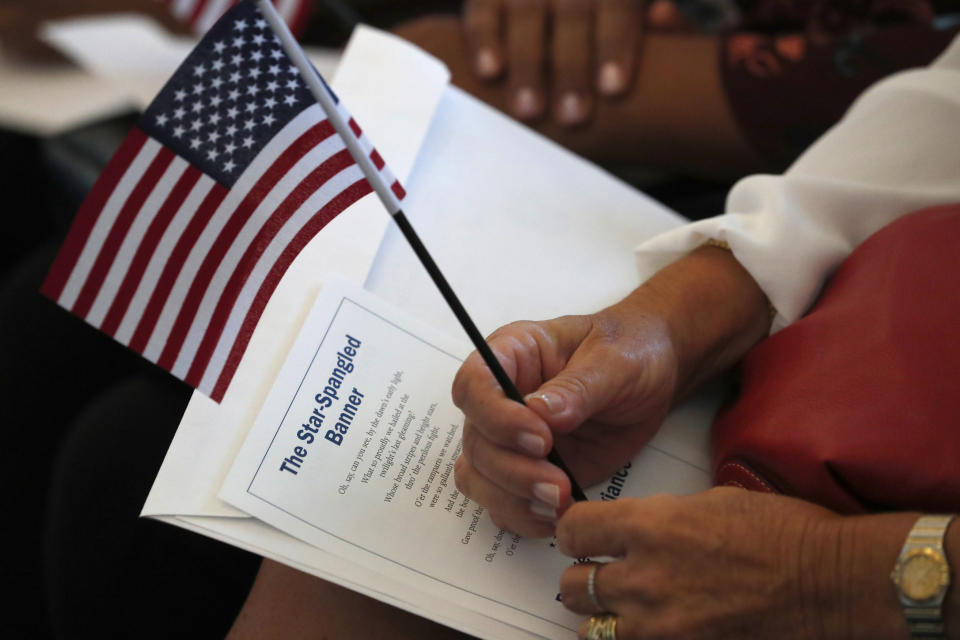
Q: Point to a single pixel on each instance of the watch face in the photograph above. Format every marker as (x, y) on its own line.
(924, 574)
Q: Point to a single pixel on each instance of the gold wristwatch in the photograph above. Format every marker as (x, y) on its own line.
(922, 576)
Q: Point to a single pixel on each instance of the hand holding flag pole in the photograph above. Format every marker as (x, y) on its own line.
(390, 195)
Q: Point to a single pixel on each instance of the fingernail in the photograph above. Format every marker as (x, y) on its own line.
(525, 103)
(571, 109)
(487, 64)
(553, 401)
(547, 493)
(542, 510)
(532, 444)
(611, 79)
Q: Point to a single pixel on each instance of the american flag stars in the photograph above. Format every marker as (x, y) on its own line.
(184, 237)
(238, 90)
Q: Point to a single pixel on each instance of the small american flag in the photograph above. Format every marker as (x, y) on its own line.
(229, 173)
(200, 15)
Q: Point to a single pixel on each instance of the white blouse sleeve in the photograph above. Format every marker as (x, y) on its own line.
(896, 150)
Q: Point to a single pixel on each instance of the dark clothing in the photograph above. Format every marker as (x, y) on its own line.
(88, 424)
(109, 573)
(793, 67)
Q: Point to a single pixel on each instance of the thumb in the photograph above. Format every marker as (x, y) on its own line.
(590, 383)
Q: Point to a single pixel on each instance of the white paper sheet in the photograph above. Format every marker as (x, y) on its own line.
(46, 99)
(353, 452)
(520, 227)
(122, 61)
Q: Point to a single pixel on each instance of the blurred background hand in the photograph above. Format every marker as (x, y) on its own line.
(557, 55)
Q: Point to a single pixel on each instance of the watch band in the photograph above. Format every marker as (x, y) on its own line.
(929, 530)
(927, 622)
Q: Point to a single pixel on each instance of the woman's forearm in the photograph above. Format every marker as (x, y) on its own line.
(675, 116)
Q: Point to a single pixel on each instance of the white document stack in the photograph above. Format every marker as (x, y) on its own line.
(333, 448)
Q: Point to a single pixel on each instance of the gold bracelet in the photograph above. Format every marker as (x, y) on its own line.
(723, 244)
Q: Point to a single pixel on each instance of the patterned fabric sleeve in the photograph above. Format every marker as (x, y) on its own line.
(793, 68)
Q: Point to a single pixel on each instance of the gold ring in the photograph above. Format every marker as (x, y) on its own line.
(602, 627)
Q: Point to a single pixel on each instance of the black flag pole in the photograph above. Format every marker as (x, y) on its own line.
(391, 201)
(509, 389)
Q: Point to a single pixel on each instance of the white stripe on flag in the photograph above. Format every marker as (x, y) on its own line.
(264, 160)
(333, 187)
(105, 221)
(131, 242)
(151, 276)
(384, 171)
(183, 9)
(367, 146)
(313, 159)
(210, 14)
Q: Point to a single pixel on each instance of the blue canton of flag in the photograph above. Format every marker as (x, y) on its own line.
(231, 96)
(229, 173)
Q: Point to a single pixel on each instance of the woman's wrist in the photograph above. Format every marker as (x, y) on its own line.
(850, 593)
(712, 308)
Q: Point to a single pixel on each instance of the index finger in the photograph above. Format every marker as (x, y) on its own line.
(572, 25)
(618, 25)
(594, 529)
(501, 420)
(526, 43)
(482, 19)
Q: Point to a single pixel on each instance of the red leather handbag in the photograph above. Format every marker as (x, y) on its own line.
(856, 406)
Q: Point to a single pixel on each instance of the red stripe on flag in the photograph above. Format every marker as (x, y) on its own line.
(355, 128)
(377, 160)
(343, 200)
(148, 245)
(173, 266)
(89, 212)
(290, 156)
(398, 190)
(334, 165)
(111, 245)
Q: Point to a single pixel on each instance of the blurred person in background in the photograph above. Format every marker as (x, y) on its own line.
(715, 88)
